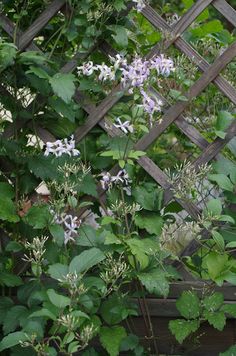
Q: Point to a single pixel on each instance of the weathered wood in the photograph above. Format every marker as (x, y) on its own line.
(28, 36)
(158, 22)
(226, 10)
(194, 91)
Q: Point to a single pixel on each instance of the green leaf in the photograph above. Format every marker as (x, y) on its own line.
(34, 57)
(229, 309)
(214, 207)
(216, 264)
(115, 309)
(62, 108)
(14, 317)
(10, 280)
(58, 271)
(12, 340)
(5, 304)
(63, 85)
(148, 196)
(6, 191)
(155, 282)
(207, 28)
(8, 211)
(120, 35)
(149, 221)
(183, 328)
(86, 260)
(217, 319)
(111, 339)
(57, 232)
(38, 216)
(43, 313)
(230, 352)
(219, 240)
(224, 119)
(8, 53)
(39, 72)
(137, 249)
(213, 302)
(222, 180)
(88, 186)
(189, 305)
(60, 301)
(14, 246)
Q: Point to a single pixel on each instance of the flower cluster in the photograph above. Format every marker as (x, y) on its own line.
(121, 178)
(60, 147)
(135, 75)
(70, 225)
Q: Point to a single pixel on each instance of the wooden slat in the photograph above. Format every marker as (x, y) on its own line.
(226, 10)
(194, 91)
(158, 22)
(27, 37)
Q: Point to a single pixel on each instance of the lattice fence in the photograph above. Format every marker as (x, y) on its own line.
(174, 114)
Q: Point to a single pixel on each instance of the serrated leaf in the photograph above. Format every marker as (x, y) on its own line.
(183, 328)
(120, 35)
(88, 186)
(229, 309)
(213, 302)
(8, 211)
(188, 305)
(149, 221)
(86, 260)
(111, 339)
(63, 85)
(155, 282)
(38, 216)
(217, 319)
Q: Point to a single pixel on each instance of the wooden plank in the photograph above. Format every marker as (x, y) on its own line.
(158, 22)
(215, 147)
(194, 91)
(27, 37)
(226, 10)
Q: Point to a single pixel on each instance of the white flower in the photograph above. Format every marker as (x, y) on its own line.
(87, 68)
(121, 177)
(140, 5)
(106, 73)
(70, 224)
(118, 61)
(124, 126)
(59, 147)
(105, 181)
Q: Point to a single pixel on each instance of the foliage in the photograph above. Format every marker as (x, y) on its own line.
(74, 264)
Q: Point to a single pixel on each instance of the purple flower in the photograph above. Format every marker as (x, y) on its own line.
(106, 181)
(151, 104)
(135, 73)
(162, 65)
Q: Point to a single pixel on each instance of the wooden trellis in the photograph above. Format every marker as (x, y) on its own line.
(211, 73)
